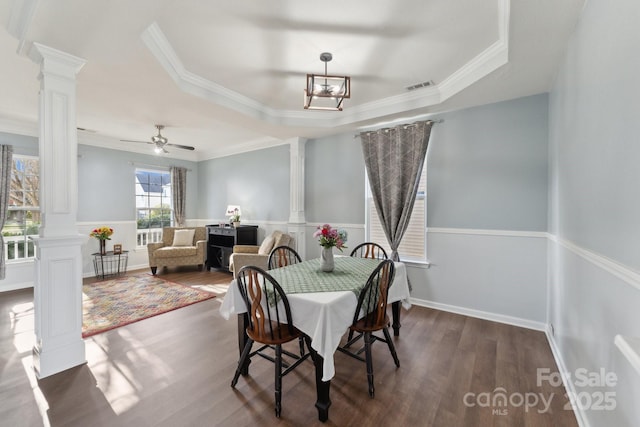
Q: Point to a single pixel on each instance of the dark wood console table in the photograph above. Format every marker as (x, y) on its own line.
(220, 242)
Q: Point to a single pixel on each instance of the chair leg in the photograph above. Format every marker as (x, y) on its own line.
(278, 379)
(245, 353)
(301, 342)
(153, 270)
(392, 347)
(367, 349)
(350, 335)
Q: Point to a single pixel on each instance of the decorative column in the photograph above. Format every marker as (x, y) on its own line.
(58, 276)
(297, 221)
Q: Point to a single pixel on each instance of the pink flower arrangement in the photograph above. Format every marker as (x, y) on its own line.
(329, 237)
(102, 233)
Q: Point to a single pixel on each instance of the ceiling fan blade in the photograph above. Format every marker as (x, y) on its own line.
(131, 140)
(184, 147)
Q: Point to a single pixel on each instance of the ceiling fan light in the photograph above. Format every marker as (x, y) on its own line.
(158, 150)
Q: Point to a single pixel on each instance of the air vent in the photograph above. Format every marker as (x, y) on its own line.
(420, 85)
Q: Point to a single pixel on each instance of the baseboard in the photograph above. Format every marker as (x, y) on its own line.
(16, 286)
(500, 318)
(569, 387)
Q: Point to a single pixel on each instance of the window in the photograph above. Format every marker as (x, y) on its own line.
(153, 205)
(414, 242)
(23, 214)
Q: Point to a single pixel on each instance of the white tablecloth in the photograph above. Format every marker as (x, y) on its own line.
(324, 316)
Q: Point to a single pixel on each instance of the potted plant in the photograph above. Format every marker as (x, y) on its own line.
(235, 218)
(102, 234)
(328, 237)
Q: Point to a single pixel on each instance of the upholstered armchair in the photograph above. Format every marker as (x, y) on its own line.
(179, 246)
(257, 255)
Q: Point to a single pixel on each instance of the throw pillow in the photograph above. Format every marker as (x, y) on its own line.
(282, 240)
(267, 245)
(183, 237)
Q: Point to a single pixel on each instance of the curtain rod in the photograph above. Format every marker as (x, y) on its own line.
(404, 125)
(146, 165)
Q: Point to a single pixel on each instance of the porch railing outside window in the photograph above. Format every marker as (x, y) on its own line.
(19, 248)
(148, 235)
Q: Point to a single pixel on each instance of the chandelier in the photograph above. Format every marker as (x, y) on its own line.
(325, 92)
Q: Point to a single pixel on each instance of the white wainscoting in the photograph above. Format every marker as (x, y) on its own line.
(496, 275)
(125, 233)
(592, 300)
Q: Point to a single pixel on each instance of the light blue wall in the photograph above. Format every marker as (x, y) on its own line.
(25, 145)
(334, 180)
(487, 167)
(106, 187)
(258, 181)
(595, 203)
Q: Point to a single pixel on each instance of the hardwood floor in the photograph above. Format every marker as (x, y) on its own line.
(175, 369)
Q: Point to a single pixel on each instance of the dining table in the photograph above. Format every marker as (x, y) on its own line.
(322, 306)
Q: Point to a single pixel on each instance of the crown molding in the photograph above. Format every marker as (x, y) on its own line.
(19, 127)
(22, 13)
(256, 144)
(492, 58)
(56, 61)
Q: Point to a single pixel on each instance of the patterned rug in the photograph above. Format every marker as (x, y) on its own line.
(113, 303)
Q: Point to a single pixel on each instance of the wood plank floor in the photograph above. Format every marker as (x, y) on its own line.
(175, 369)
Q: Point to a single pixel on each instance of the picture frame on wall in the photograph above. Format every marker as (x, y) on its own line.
(117, 249)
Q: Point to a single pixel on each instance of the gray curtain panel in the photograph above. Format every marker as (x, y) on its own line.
(394, 158)
(6, 159)
(179, 194)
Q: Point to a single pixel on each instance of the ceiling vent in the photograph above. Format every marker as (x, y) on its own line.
(421, 85)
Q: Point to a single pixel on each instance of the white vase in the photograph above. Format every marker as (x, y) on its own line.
(326, 259)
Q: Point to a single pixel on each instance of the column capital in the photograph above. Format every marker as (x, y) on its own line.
(56, 61)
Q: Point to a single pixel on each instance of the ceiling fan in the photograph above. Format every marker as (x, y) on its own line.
(161, 142)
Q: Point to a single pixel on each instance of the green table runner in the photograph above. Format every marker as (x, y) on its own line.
(349, 274)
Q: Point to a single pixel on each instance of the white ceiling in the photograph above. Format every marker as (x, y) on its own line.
(227, 76)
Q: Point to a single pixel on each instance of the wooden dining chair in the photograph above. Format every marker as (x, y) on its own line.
(283, 256)
(369, 250)
(373, 301)
(269, 324)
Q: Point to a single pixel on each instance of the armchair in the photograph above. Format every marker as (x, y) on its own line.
(178, 247)
(257, 255)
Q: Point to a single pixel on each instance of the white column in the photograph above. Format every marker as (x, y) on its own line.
(58, 277)
(297, 221)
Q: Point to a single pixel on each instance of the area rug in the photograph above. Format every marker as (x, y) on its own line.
(113, 303)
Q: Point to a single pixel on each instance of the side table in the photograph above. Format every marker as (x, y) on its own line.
(110, 264)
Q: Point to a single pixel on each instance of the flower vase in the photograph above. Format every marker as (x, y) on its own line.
(103, 246)
(326, 259)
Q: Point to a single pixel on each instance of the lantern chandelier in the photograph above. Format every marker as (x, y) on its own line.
(325, 92)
